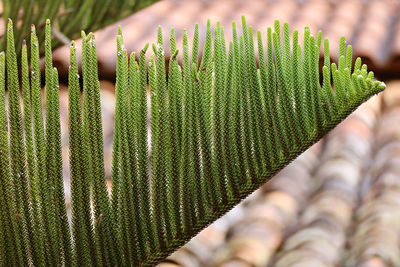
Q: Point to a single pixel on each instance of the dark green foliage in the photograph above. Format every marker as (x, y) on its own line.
(220, 127)
(70, 17)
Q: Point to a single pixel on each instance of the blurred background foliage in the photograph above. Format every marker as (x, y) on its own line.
(69, 17)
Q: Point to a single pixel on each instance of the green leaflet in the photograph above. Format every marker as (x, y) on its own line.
(38, 247)
(17, 148)
(85, 251)
(11, 242)
(220, 126)
(105, 232)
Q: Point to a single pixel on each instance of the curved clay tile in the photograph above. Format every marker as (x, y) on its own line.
(375, 237)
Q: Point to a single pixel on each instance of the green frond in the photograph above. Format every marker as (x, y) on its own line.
(40, 188)
(105, 232)
(175, 102)
(53, 138)
(140, 119)
(85, 251)
(186, 169)
(218, 112)
(17, 148)
(11, 240)
(127, 222)
(220, 126)
(38, 246)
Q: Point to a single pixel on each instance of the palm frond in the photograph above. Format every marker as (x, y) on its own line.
(219, 128)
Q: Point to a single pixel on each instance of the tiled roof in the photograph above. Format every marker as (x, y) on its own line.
(372, 26)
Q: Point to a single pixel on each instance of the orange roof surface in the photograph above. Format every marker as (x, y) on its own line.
(371, 26)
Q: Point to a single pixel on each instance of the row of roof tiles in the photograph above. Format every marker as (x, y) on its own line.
(372, 26)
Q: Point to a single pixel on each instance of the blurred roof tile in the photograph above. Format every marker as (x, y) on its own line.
(372, 26)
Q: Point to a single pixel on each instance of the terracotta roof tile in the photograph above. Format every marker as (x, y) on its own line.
(372, 26)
